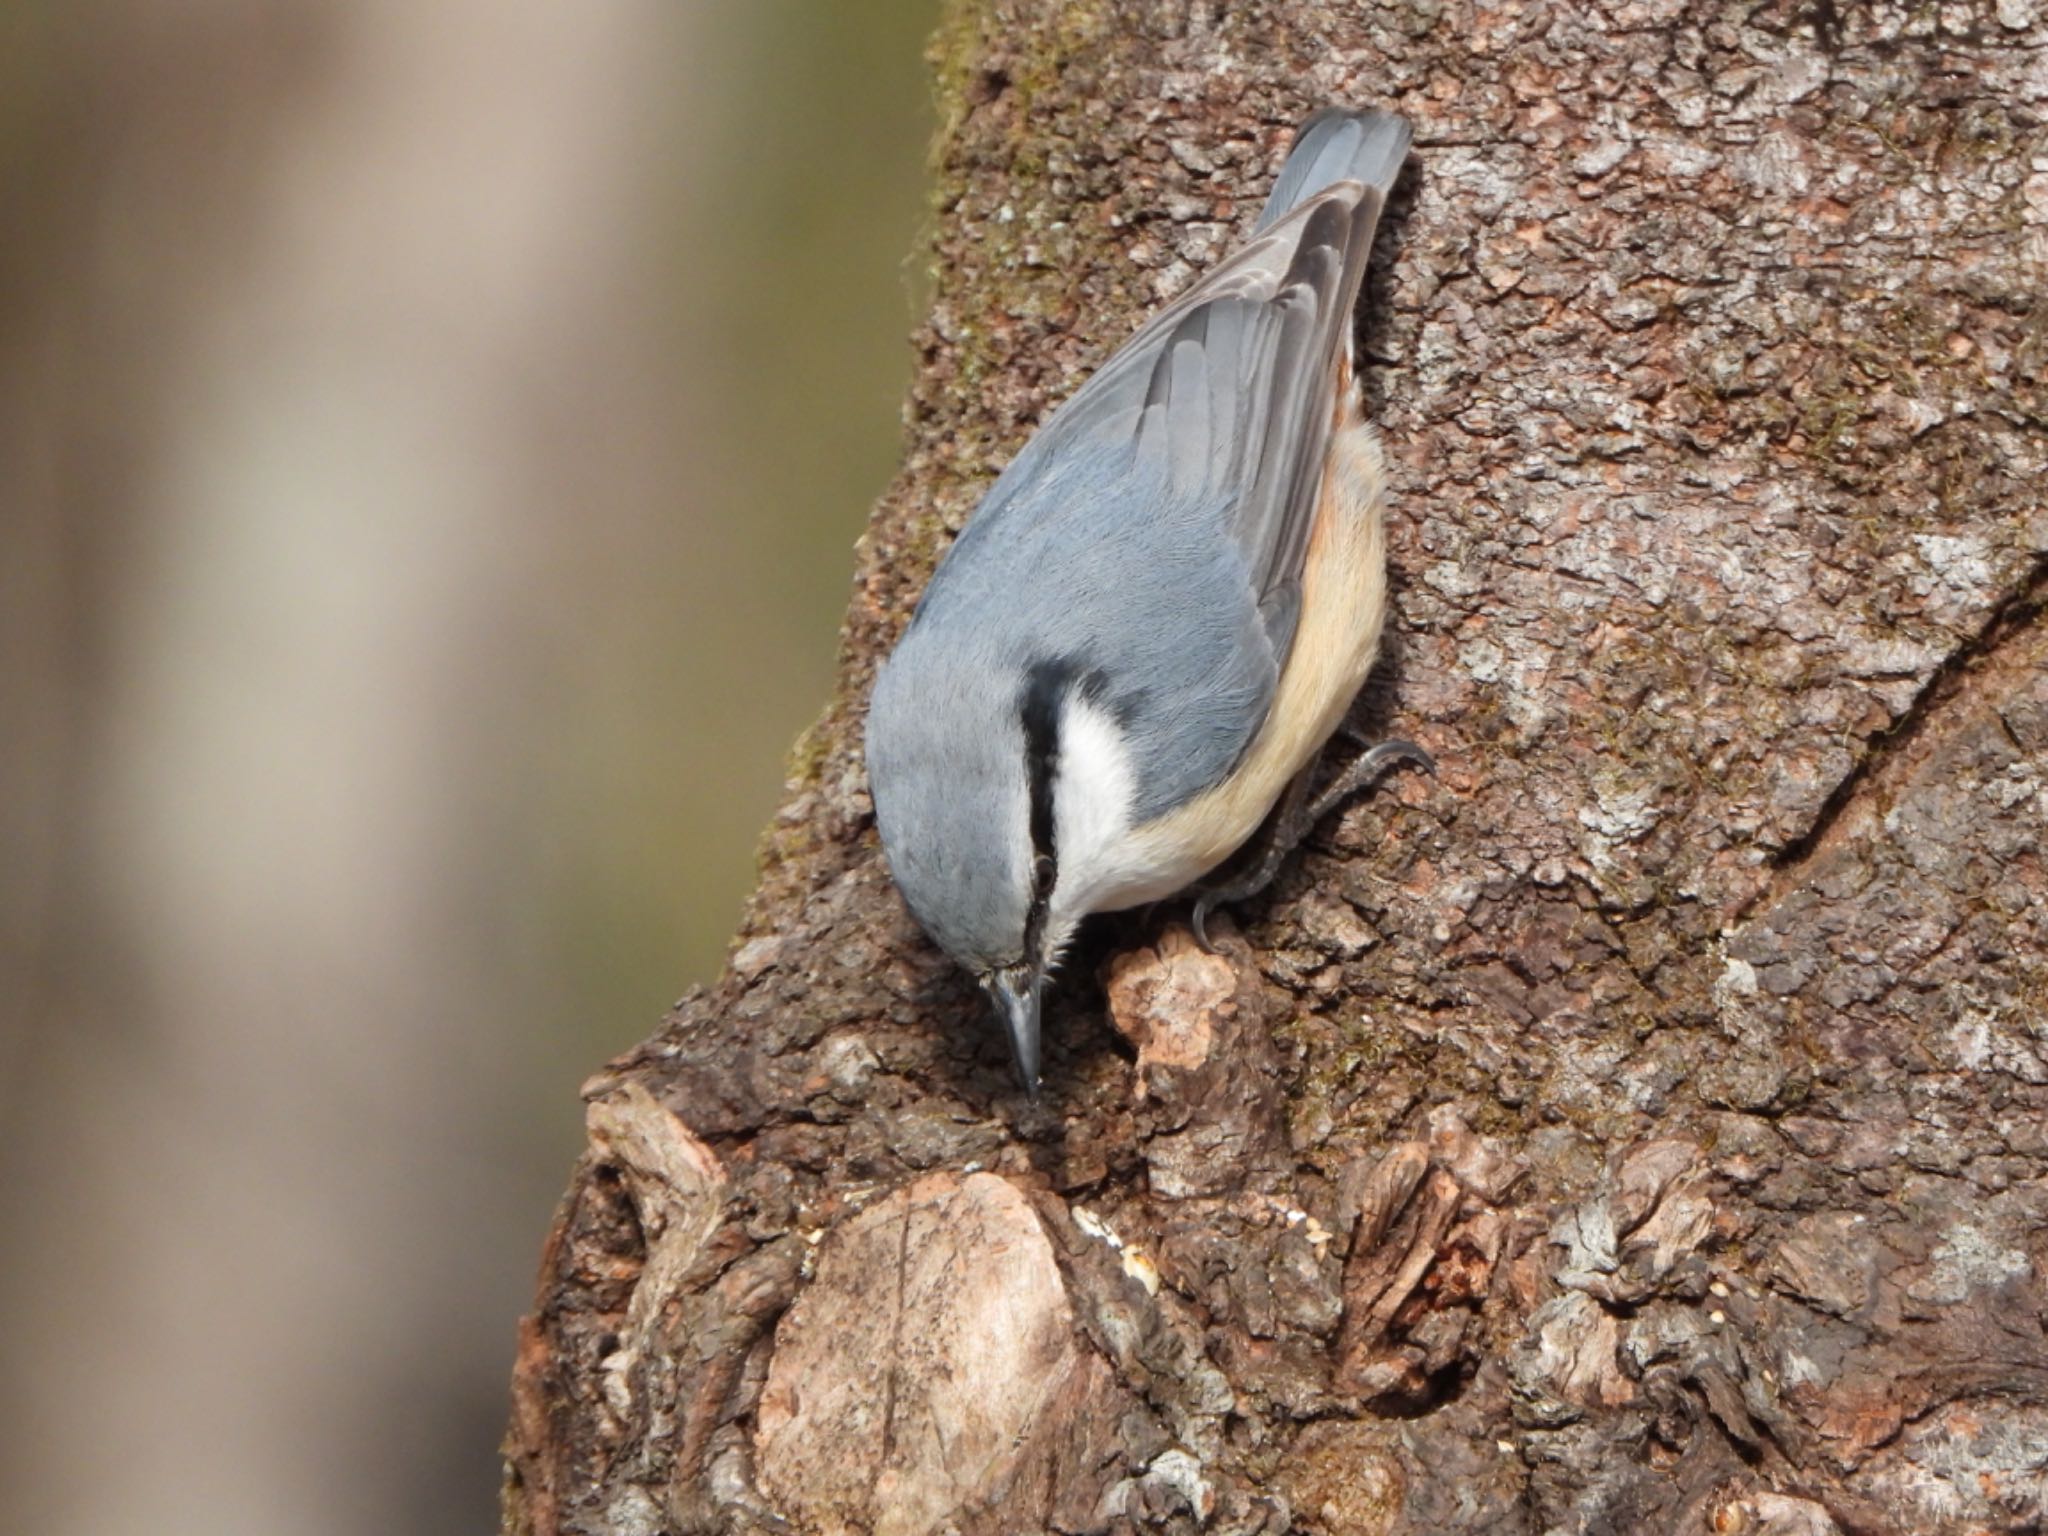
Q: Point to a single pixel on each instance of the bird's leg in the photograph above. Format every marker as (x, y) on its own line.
(1296, 816)
(1274, 846)
(1375, 760)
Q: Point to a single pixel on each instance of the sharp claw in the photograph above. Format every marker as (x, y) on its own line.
(1409, 752)
(1200, 923)
(1387, 753)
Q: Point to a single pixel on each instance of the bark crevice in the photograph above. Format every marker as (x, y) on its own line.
(1942, 690)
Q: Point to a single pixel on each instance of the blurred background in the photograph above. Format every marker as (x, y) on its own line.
(432, 437)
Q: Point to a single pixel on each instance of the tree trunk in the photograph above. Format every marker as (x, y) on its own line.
(1641, 1126)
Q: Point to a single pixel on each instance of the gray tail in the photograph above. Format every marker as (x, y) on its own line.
(1338, 144)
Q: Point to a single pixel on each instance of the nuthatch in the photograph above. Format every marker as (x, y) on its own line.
(1159, 613)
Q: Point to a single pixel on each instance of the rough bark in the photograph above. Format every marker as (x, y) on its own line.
(1641, 1127)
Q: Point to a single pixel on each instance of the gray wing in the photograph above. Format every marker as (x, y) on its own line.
(1156, 525)
(1227, 394)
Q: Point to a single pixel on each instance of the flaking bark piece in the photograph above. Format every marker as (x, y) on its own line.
(956, 1396)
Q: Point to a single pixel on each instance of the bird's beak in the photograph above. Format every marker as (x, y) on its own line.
(1015, 991)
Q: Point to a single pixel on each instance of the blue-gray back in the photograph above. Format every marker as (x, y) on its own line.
(1154, 529)
(1104, 568)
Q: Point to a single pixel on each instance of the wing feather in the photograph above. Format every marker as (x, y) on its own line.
(1229, 389)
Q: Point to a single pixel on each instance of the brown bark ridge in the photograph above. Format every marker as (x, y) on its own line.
(1641, 1127)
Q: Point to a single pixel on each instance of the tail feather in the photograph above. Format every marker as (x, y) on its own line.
(1338, 144)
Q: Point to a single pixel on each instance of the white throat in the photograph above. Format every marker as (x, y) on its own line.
(1100, 863)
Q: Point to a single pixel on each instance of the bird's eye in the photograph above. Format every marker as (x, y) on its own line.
(1043, 871)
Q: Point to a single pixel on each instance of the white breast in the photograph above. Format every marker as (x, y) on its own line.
(1103, 866)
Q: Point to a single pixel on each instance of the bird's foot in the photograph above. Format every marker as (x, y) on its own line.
(1297, 816)
(1365, 769)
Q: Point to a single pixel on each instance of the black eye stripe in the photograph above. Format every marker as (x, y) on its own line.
(1045, 687)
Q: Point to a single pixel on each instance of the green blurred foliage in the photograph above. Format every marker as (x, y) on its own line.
(796, 285)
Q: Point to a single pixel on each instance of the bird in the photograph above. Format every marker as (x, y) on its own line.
(1159, 613)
